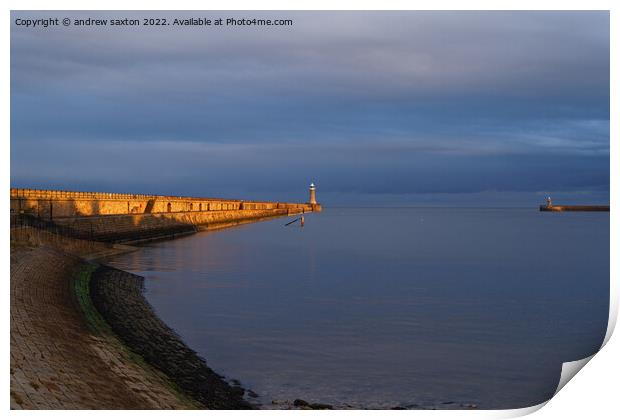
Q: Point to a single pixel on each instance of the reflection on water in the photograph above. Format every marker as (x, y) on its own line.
(379, 308)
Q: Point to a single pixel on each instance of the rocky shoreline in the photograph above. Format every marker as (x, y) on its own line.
(84, 337)
(117, 296)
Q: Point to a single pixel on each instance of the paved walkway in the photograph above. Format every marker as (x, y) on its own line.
(56, 361)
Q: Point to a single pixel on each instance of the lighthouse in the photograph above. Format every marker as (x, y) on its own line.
(312, 194)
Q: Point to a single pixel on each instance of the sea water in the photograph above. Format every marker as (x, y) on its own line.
(389, 307)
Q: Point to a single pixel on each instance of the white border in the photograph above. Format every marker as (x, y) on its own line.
(592, 395)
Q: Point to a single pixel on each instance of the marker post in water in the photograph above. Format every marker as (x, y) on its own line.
(300, 219)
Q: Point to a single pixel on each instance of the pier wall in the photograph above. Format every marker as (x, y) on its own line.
(49, 204)
(125, 218)
(561, 208)
(142, 227)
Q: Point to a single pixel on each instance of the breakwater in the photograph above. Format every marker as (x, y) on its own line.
(560, 208)
(117, 296)
(132, 218)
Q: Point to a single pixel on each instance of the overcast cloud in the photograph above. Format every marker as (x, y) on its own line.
(375, 107)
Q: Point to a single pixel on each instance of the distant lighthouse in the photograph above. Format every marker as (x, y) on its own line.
(312, 194)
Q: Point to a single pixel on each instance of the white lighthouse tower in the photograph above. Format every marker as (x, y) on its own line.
(312, 194)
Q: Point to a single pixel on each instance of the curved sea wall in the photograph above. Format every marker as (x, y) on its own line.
(63, 355)
(117, 296)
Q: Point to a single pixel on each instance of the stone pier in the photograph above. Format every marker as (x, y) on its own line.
(131, 218)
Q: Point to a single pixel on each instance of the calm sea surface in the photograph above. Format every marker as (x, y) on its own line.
(376, 308)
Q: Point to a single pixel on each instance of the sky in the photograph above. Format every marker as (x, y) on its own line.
(376, 108)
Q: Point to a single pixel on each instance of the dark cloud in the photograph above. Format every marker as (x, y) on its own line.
(367, 103)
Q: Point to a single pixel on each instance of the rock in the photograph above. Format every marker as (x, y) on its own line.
(251, 394)
(319, 406)
(237, 390)
(314, 406)
(282, 402)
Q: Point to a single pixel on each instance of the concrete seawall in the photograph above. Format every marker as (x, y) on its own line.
(117, 296)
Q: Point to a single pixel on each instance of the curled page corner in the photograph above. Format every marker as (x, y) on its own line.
(613, 313)
(570, 369)
(520, 412)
